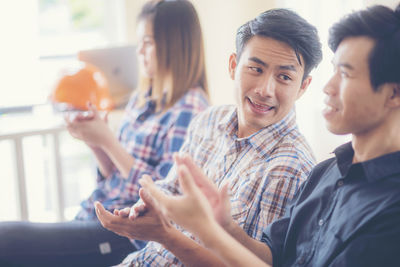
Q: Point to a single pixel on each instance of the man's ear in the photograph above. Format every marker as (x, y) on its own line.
(232, 65)
(394, 95)
(304, 85)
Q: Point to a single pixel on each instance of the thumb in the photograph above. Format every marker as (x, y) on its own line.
(99, 208)
(147, 199)
(156, 195)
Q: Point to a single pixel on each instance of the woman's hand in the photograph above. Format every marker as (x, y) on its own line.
(91, 128)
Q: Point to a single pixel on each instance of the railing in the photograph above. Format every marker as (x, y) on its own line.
(15, 128)
(16, 138)
(44, 124)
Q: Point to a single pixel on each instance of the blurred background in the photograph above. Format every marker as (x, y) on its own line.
(45, 173)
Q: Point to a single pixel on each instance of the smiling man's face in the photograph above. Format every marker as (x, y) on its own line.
(352, 105)
(268, 81)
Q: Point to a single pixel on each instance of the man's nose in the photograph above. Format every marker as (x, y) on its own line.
(139, 49)
(331, 87)
(267, 87)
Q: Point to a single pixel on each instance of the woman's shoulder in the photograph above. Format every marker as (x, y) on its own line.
(212, 116)
(195, 99)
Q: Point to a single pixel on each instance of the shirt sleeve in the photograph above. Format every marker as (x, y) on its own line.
(170, 184)
(375, 245)
(275, 233)
(131, 105)
(282, 181)
(176, 139)
(172, 143)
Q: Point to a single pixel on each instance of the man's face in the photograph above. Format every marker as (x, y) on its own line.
(268, 80)
(351, 104)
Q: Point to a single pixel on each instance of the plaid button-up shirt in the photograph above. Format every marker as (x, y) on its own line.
(264, 171)
(151, 138)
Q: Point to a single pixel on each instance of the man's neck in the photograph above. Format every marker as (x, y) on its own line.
(377, 142)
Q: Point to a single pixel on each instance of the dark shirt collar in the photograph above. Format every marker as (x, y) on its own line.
(374, 169)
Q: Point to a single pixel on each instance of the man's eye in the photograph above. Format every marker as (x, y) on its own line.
(256, 69)
(285, 77)
(344, 74)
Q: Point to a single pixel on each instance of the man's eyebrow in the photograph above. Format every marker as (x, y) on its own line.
(346, 65)
(282, 67)
(343, 65)
(258, 61)
(288, 67)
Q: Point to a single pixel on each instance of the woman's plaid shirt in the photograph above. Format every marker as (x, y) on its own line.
(151, 138)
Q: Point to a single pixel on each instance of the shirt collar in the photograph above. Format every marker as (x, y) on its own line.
(373, 169)
(263, 141)
(150, 104)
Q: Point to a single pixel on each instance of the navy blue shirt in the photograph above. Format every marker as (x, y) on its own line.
(344, 215)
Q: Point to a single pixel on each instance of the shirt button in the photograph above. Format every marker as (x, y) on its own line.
(320, 222)
(340, 183)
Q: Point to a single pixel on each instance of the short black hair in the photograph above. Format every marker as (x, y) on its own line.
(381, 24)
(286, 26)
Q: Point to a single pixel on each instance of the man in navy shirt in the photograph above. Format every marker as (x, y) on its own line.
(348, 211)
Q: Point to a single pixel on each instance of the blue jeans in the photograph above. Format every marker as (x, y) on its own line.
(74, 243)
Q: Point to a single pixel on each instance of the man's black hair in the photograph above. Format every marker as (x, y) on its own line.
(381, 24)
(286, 26)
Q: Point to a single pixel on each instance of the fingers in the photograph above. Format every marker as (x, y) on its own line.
(84, 116)
(225, 197)
(199, 177)
(124, 212)
(202, 181)
(92, 108)
(135, 211)
(224, 192)
(186, 181)
(147, 183)
(147, 199)
(69, 118)
(102, 214)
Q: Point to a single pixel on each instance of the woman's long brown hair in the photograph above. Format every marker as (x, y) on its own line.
(179, 51)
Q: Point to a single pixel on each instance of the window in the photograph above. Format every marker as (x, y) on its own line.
(44, 36)
(39, 39)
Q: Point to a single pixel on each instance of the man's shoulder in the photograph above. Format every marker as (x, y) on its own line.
(219, 111)
(213, 116)
(294, 148)
(194, 98)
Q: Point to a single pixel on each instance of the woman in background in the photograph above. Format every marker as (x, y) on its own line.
(173, 89)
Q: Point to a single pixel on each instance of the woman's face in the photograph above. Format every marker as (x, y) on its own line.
(146, 48)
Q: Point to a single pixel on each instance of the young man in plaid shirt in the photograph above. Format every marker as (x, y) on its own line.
(255, 147)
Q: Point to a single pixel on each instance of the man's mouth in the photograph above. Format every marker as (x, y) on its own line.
(259, 107)
(329, 110)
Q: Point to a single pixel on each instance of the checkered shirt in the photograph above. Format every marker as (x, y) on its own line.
(151, 138)
(264, 171)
